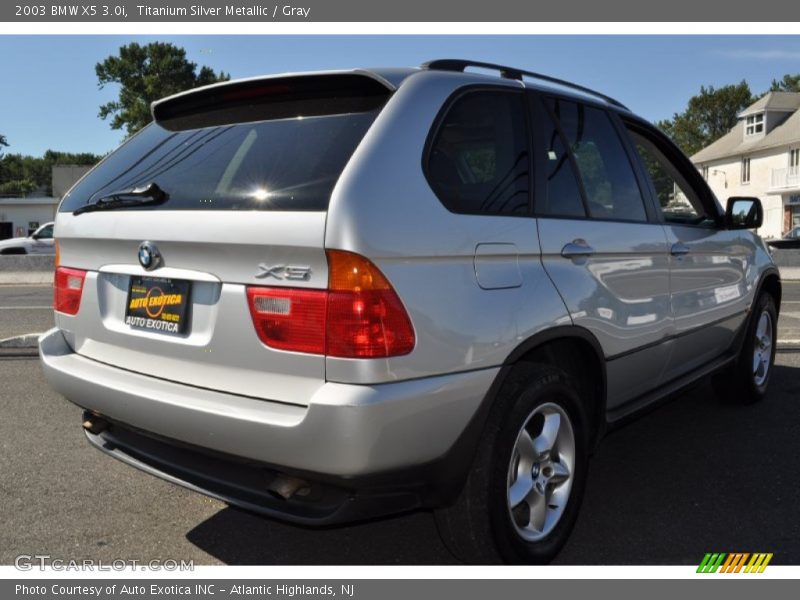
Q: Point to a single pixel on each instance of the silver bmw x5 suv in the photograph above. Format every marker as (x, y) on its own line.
(331, 296)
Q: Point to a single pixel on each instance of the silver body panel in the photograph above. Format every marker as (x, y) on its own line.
(430, 254)
(712, 286)
(219, 255)
(621, 294)
(345, 430)
(476, 288)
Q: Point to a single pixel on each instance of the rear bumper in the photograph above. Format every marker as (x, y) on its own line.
(382, 438)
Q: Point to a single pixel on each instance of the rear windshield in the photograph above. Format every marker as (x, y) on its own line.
(284, 164)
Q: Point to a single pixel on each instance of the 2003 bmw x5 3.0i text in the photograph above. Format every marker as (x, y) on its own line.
(331, 296)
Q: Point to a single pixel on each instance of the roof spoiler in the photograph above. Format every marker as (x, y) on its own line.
(266, 98)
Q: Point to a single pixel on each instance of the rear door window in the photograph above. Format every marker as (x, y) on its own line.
(562, 197)
(280, 164)
(478, 162)
(612, 191)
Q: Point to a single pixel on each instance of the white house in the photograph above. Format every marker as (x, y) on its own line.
(21, 216)
(760, 157)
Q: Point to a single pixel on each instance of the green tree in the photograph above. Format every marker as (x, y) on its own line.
(21, 174)
(3, 144)
(708, 116)
(17, 187)
(145, 74)
(789, 83)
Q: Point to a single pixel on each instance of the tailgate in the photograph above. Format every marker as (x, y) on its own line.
(219, 348)
(229, 187)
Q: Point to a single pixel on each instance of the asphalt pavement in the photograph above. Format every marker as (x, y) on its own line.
(25, 309)
(789, 320)
(693, 476)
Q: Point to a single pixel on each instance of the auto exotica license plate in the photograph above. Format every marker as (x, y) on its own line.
(158, 304)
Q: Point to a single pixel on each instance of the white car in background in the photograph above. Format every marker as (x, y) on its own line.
(39, 242)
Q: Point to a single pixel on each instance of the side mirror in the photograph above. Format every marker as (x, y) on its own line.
(744, 213)
(35, 236)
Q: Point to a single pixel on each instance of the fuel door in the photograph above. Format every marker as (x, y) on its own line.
(497, 266)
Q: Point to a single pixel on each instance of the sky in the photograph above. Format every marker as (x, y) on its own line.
(50, 98)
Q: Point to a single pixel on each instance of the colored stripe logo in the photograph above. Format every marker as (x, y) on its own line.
(735, 562)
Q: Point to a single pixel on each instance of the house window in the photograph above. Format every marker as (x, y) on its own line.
(755, 124)
(745, 170)
(794, 157)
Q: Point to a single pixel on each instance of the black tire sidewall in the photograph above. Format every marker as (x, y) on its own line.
(552, 388)
(756, 392)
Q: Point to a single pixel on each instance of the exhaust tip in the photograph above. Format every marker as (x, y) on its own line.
(285, 487)
(94, 424)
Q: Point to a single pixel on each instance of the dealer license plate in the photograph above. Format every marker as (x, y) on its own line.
(158, 304)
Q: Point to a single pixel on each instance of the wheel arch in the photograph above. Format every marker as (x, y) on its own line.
(770, 281)
(575, 350)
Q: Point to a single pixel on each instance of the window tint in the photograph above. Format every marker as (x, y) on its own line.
(284, 164)
(677, 200)
(563, 197)
(478, 161)
(612, 191)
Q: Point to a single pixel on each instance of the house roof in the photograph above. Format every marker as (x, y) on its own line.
(734, 142)
(779, 101)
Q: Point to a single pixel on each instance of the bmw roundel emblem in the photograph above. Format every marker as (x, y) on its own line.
(149, 256)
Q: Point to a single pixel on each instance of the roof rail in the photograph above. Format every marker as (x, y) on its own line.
(455, 64)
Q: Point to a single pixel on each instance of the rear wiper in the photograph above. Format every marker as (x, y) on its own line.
(147, 195)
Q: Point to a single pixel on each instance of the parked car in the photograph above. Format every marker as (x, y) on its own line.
(39, 242)
(333, 296)
(790, 240)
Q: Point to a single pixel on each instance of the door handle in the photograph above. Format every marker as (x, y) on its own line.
(679, 249)
(577, 249)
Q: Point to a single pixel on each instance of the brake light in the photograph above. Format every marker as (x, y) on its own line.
(358, 316)
(365, 316)
(68, 289)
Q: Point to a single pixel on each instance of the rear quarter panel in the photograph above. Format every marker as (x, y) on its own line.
(384, 209)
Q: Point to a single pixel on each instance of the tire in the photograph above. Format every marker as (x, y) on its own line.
(747, 380)
(481, 527)
(15, 251)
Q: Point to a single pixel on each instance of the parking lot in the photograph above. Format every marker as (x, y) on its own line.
(693, 476)
(25, 309)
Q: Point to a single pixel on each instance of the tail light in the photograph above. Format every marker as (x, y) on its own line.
(358, 316)
(365, 317)
(289, 318)
(68, 289)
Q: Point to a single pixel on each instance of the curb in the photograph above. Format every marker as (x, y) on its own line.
(19, 342)
(26, 278)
